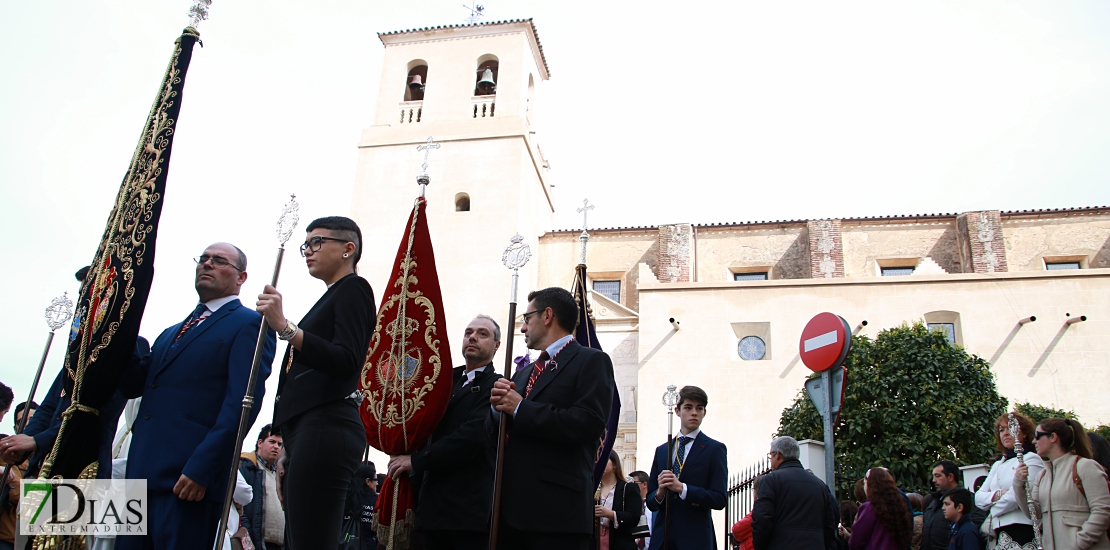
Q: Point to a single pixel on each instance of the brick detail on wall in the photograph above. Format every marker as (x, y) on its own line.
(675, 253)
(826, 250)
(979, 235)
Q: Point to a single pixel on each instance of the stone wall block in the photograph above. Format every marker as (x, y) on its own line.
(675, 253)
(826, 249)
(982, 249)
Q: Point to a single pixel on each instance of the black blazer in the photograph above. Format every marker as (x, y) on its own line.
(337, 333)
(629, 507)
(457, 463)
(548, 482)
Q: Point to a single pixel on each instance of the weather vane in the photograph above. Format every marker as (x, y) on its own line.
(476, 14)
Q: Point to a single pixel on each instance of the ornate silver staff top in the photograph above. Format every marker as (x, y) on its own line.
(585, 236)
(423, 178)
(516, 255)
(59, 312)
(288, 220)
(198, 12)
(670, 397)
(1012, 424)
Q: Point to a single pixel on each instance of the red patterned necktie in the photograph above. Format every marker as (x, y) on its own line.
(537, 370)
(191, 322)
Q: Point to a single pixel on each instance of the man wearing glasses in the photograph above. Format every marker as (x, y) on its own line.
(192, 385)
(557, 409)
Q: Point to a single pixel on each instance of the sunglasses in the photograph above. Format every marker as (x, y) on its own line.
(1041, 434)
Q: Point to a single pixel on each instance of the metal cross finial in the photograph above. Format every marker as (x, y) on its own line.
(585, 211)
(198, 12)
(59, 312)
(288, 220)
(422, 178)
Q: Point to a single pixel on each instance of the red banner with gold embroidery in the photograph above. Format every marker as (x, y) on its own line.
(406, 384)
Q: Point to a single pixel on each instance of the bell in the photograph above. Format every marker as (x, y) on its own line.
(487, 80)
(416, 83)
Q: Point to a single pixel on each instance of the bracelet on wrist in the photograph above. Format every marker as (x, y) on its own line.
(288, 332)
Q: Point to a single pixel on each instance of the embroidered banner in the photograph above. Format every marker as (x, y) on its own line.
(112, 298)
(586, 336)
(405, 382)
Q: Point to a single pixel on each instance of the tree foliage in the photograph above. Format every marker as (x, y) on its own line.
(911, 399)
(1037, 413)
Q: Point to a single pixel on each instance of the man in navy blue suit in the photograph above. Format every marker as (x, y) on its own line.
(695, 485)
(193, 385)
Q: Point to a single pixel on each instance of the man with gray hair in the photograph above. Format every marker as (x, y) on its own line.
(793, 508)
(454, 471)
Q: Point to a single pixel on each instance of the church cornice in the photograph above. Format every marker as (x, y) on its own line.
(427, 34)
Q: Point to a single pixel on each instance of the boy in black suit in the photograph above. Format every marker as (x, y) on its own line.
(456, 466)
(695, 485)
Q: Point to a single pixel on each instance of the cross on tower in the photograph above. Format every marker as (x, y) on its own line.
(585, 210)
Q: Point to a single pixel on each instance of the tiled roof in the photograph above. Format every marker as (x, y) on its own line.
(489, 24)
(903, 217)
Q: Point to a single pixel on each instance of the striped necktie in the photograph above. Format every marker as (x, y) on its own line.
(537, 370)
(193, 320)
(682, 441)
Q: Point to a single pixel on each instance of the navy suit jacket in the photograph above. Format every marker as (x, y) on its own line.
(705, 474)
(192, 399)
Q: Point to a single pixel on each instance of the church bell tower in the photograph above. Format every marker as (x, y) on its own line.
(473, 89)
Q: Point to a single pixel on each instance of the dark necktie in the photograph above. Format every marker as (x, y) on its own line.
(192, 321)
(682, 441)
(537, 370)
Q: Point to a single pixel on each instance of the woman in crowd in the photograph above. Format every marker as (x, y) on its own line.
(1011, 527)
(883, 521)
(316, 408)
(619, 509)
(917, 507)
(1071, 494)
(1100, 449)
(848, 512)
(742, 529)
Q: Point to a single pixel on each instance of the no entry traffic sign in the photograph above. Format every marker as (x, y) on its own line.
(825, 342)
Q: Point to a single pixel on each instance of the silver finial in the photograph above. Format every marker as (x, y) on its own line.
(59, 312)
(517, 254)
(1012, 424)
(422, 178)
(670, 398)
(198, 12)
(585, 236)
(476, 14)
(288, 220)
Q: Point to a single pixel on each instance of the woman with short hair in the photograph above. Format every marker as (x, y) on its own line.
(1071, 493)
(316, 408)
(1009, 525)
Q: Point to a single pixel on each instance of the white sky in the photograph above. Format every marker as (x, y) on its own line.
(722, 111)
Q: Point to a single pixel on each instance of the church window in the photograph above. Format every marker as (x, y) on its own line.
(896, 271)
(462, 202)
(949, 330)
(754, 276)
(415, 81)
(1054, 266)
(751, 348)
(609, 289)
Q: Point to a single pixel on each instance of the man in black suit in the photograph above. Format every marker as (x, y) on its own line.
(456, 494)
(557, 409)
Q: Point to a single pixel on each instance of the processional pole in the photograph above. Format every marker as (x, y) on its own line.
(1019, 450)
(58, 313)
(670, 399)
(285, 225)
(516, 255)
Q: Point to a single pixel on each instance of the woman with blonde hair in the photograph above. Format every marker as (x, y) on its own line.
(1009, 525)
(1071, 493)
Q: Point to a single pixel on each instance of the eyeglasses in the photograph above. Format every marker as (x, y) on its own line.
(315, 243)
(217, 261)
(1041, 434)
(524, 316)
